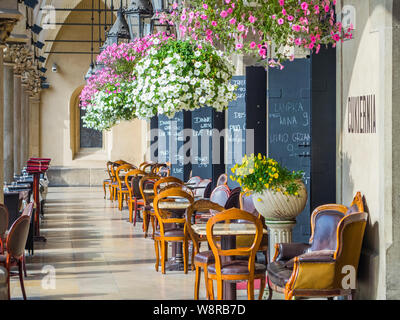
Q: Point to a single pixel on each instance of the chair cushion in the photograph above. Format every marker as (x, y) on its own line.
(171, 233)
(237, 267)
(278, 273)
(205, 257)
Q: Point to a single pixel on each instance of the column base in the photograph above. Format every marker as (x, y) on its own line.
(278, 232)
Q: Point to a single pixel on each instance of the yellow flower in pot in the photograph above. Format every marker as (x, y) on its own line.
(279, 194)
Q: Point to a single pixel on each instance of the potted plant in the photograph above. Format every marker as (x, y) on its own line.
(278, 193)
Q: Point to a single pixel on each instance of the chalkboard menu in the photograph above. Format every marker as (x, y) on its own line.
(154, 139)
(170, 143)
(289, 126)
(175, 146)
(164, 134)
(202, 125)
(236, 128)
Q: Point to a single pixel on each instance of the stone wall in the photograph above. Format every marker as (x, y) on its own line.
(365, 156)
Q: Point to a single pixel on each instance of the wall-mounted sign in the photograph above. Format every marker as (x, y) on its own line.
(361, 114)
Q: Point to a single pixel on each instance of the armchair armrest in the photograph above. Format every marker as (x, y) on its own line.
(317, 256)
(287, 251)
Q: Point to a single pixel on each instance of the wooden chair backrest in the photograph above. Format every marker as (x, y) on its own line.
(222, 179)
(164, 182)
(143, 183)
(109, 166)
(128, 175)
(163, 215)
(220, 195)
(234, 214)
(201, 205)
(194, 180)
(122, 168)
(4, 218)
(358, 201)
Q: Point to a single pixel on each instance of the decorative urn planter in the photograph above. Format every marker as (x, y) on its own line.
(275, 206)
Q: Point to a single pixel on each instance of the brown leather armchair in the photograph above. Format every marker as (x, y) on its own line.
(316, 269)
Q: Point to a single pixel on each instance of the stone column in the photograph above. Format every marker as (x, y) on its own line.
(34, 127)
(279, 232)
(1, 122)
(8, 140)
(24, 118)
(17, 123)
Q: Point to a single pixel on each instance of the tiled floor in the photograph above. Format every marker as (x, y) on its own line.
(94, 253)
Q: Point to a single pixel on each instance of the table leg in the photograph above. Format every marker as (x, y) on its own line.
(228, 242)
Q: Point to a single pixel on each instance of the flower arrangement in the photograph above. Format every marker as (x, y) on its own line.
(105, 96)
(182, 75)
(257, 173)
(253, 27)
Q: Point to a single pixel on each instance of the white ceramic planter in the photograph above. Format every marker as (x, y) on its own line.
(277, 206)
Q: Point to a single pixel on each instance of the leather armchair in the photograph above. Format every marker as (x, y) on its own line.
(315, 268)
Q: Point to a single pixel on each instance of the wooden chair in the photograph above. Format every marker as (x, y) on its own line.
(4, 218)
(109, 181)
(200, 260)
(114, 184)
(234, 269)
(164, 235)
(220, 195)
(164, 171)
(167, 181)
(222, 180)
(201, 191)
(144, 163)
(134, 196)
(147, 182)
(314, 269)
(194, 181)
(122, 189)
(15, 246)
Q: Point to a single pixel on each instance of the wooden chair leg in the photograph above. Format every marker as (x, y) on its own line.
(145, 222)
(250, 289)
(197, 283)
(205, 269)
(185, 256)
(8, 282)
(210, 289)
(192, 264)
(104, 188)
(262, 288)
(24, 265)
(163, 258)
(130, 211)
(270, 291)
(157, 254)
(135, 210)
(110, 191)
(220, 290)
(120, 199)
(21, 278)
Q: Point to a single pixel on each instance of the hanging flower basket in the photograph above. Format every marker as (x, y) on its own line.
(105, 96)
(254, 27)
(182, 75)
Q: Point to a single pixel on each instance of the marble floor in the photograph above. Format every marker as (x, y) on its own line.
(93, 252)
